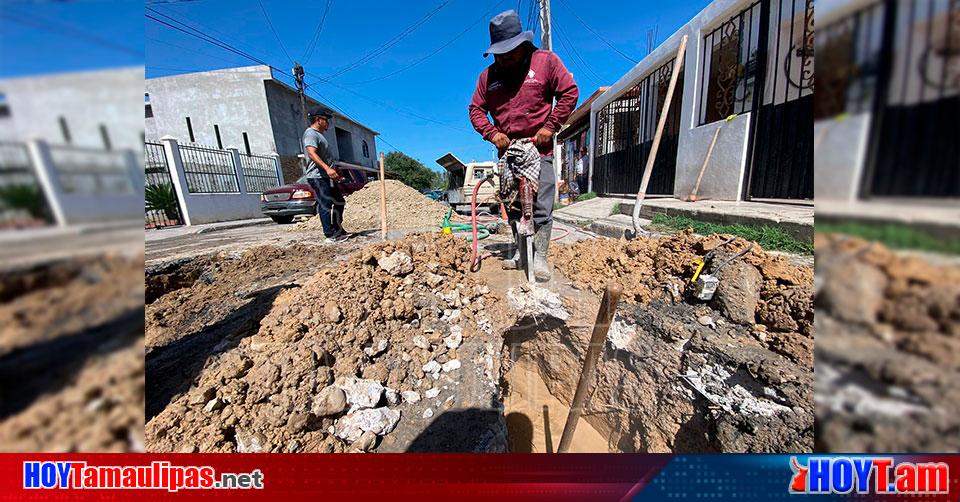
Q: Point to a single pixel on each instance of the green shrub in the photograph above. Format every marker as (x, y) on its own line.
(26, 197)
(161, 197)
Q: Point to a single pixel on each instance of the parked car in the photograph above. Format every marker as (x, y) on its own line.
(283, 203)
(434, 194)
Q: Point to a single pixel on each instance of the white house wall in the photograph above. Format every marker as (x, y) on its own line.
(725, 174)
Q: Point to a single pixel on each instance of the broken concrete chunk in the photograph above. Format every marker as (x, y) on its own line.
(366, 443)
(380, 421)
(431, 367)
(434, 280)
(427, 413)
(432, 393)
(739, 292)
(393, 398)
(361, 393)
(378, 347)
(329, 401)
(410, 396)
(455, 338)
(397, 264)
(332, 312)
(451, 365)
(421, 341)
(251, 443)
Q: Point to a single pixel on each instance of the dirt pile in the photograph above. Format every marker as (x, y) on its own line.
(390, 350)
(71, 356)
(52, 300)
(190, 295)
(677, 374)
(758, 288)
(888, 349)
(406, 208)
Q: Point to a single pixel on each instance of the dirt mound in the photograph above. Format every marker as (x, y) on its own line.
(53, 300)
(778, 297)
(187, 296)
(71, 356)
(888, 349)
(406, 208)
(361, 357)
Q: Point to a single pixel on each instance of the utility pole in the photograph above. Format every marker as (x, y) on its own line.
(546, 39)
(546, 42)
(298, 76)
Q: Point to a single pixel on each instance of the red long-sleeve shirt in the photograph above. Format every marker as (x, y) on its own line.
(521, 107)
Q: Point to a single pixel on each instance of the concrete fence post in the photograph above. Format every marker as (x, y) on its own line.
(135, 172)
(171, 149)
(238, 168)
(42, 161)
(279, 167)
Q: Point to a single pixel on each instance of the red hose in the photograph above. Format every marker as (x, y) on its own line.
(474, 259)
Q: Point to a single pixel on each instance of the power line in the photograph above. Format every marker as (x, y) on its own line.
(274, 30)
(214, 33)
(575, 56)
(598, 35)
(209, 39)
(311, 47)
(344, 112)
(388, 105)
(61, 29)
(485, 16)
(388, 44)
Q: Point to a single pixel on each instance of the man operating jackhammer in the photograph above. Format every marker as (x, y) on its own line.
(518, 90)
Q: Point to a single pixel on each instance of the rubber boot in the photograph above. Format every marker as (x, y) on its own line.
(514, 262)
(541, 247)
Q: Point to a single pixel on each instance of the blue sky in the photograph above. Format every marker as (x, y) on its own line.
(422, 110)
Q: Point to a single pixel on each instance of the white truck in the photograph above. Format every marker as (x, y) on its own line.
(463, 177)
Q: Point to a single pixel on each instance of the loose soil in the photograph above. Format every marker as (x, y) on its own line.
(402, 317)
(888, 349)
(71, 355)
(406, 209)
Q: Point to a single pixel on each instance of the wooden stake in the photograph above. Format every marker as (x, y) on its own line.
(608, 307)
(383, 201)
(703, 168)
(677, 63)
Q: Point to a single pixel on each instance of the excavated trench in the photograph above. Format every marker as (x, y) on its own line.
(396, 348)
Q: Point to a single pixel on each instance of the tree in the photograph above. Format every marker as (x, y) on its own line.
(410, 171)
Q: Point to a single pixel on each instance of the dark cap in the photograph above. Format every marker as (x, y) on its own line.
(320, 112)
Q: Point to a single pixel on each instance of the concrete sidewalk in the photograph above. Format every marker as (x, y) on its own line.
(610, 216)
(171, 232)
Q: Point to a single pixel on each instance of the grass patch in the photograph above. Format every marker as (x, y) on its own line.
(770, 238)
(615, 209)
(894, 236)
(558, 205)
(587, 196)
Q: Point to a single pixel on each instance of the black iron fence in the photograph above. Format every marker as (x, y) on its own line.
(91, 171)
(259, 172)
(913, 149)
(848, 62)
(730, 56)
(625, 130)
(208, 170)
(162, 206)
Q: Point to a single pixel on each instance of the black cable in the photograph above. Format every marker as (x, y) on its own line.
(274, 30)
(388, 44)
(312, 46)
(64, 29)
(598, 35)
(575, 55)
(345, 114)
(388, 105)
(485, 16)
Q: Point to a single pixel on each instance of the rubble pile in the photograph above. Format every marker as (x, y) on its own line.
(734, 374)
(888, 348)
(359, 358)
(406, 209)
